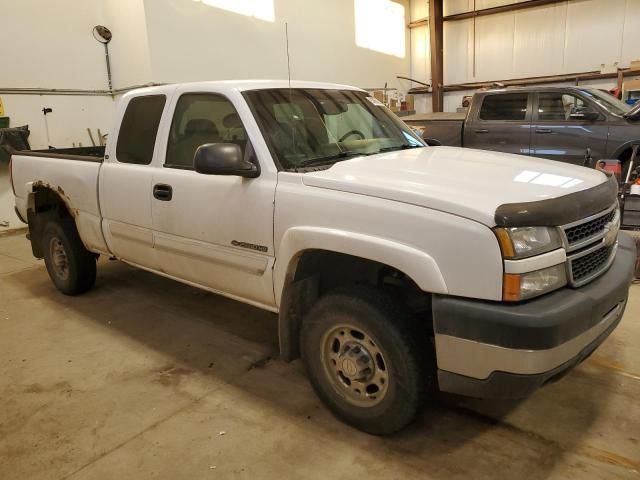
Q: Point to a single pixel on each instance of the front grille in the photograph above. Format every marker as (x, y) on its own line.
(589, 229)
(590, 248)
(586, 266)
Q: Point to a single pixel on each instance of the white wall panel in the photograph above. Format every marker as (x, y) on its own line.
(194, 41)
(539, 41)
(594, 34)
(482, 4)
(68, 122)
(129, 48)
(563, 38)
(50, 47)
(631, 33)
(419, 9)
(420, 54)
(494, 46)
(458, 51)
(451, 7)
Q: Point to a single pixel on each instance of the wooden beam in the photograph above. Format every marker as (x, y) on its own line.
(504, 8)
(570, 77)
(435, 37)
(419, 23)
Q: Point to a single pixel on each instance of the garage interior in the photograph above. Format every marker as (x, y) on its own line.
(145, 377)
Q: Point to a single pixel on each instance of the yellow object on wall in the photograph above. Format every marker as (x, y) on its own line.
(1, 108)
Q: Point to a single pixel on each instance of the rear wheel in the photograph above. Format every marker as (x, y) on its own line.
(71, 267)
(365, 359)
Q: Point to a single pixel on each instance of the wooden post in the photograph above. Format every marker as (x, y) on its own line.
(435, 36)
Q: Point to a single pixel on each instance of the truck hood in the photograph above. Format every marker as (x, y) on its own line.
(461, 181)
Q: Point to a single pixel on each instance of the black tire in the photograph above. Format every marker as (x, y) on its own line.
(387, 325)
(75, 274)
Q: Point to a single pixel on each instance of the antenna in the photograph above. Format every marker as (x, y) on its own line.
(293, 124)
(286, 35)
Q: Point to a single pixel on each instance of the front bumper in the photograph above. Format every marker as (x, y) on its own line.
(498, 350)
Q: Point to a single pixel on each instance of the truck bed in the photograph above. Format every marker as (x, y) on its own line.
(72, 173)
(87, 154)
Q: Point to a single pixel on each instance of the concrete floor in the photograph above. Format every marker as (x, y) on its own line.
(146, 378)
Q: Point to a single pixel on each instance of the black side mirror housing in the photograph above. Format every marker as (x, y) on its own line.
(223, 159)
(432, 142)
(583, 113)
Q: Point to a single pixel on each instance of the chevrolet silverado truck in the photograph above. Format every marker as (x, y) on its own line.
(559, 123)
(392, 275)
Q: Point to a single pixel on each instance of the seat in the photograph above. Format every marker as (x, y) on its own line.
(552, 109)
(198, 131)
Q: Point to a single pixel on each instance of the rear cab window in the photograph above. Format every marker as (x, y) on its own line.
(139, 129)
(505, 107)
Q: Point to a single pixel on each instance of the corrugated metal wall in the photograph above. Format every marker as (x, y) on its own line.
(568, 37)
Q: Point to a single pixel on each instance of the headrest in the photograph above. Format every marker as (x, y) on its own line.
(232, 121)
(200, 125)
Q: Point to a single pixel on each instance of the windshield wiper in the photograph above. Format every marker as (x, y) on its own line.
(399, 147)
(337, 157)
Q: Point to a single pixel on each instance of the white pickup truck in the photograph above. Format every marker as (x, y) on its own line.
(395, 268)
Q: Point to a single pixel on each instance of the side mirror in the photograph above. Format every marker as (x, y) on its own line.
(223, 159)
(583, 113)
(432, 142)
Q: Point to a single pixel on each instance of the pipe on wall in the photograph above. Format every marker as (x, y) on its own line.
(73, 91)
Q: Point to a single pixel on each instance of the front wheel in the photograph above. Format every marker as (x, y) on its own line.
(71, 267)
(365, 359)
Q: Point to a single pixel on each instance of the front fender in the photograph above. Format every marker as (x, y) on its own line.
(416, 264)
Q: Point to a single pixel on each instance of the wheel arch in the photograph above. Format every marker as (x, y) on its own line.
(623, 152)
(313, 260)
(43, 204)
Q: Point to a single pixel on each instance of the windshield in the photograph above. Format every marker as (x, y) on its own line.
(311, 127)
(607, 101)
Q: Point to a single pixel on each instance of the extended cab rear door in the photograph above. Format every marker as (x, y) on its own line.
(125, 178)
(214, 230)
(501, 122)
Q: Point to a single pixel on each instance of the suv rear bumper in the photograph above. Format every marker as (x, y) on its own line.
(498, 350)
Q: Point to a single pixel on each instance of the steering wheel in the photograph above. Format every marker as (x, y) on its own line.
(351, 132)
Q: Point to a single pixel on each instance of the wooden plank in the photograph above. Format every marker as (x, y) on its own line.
(501, 9)
(435, 35)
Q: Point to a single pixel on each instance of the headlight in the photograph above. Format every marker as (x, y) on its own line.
(522, 242)
(521, 286)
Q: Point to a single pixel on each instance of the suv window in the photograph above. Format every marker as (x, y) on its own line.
(202, 118)
(504, 106)
(138, 130)
(557, 105)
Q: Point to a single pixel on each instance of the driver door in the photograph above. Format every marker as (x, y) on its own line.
(215, 231)
(556, 136)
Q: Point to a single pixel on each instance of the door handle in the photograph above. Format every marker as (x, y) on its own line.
(482, 130)
(543, 130)
(163, 192)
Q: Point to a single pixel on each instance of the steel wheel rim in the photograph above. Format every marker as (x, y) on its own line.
(59, 259)
(355, 365)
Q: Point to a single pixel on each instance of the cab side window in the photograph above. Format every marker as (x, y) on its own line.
(201, 118)
(139, 128)
(557, 105)
(504, 106)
